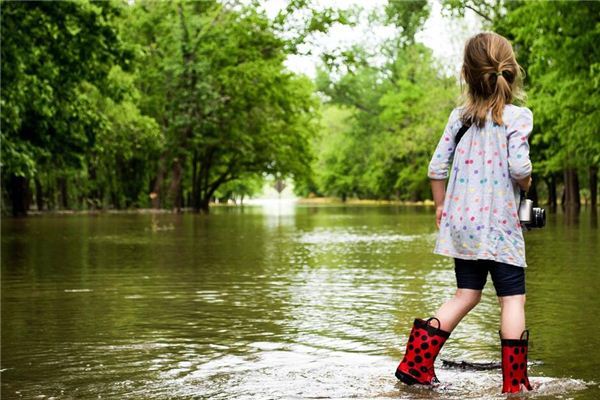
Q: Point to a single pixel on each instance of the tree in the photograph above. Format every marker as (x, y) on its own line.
(227, 105)
(383, 124)
(50, 51)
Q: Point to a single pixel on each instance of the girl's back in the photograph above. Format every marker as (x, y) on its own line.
(480, 218)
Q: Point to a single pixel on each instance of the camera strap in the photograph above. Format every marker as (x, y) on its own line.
(523, 194)
(463, 129)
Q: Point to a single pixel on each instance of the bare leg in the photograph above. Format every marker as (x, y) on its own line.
(512, 316)
(457, 307)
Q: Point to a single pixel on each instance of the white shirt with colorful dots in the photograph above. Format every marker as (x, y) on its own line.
(480, 219)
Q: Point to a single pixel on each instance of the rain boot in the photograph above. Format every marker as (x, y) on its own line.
(424, 344)
(514, 364)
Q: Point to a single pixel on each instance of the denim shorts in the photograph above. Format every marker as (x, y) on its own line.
(509, 280)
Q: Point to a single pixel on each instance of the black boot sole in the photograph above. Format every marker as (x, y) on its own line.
(407, 379)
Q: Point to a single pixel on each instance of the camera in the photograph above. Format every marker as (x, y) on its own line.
(530, 216)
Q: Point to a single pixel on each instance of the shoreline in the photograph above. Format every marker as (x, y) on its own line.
(188, 210)
(313, 201)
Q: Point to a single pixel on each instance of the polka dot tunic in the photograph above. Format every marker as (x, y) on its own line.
(479, 219)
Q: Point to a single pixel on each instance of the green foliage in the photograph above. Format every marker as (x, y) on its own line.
(214, 78)
(104, 103)
(489, 10)
(561, 41)
(332, 164)
(407, 15)
(124, 153)
(379, 135)
(299, 20)
(48, 51)
(178, 97)
(241, 188)
(64, 101)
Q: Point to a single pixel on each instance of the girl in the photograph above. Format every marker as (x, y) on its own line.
(477, 216)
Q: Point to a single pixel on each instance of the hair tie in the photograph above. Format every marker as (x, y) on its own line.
(498, 73)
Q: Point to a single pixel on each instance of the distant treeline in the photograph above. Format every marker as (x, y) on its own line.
(175, 104)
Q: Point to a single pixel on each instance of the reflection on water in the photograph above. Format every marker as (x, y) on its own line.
(255, 302)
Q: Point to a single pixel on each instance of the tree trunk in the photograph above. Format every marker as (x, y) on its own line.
(571, 193)
(194, 195)
(210, 191)
(156, 194)
(175, 188)
(115, 199)
(571, 197)
(18, 190)
(39, 194)
(182, 196)
(94, 193)
(50, 192)
(202, 181)
(533, 193)
(594, 185)
(552, 199)
(64, 192)
(204, 201)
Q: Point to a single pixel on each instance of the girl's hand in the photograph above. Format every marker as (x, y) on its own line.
(438, 215)
(525, 183)
(529, 183)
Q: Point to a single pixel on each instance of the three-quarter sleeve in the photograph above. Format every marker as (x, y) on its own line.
(519, 164)
(444, 152)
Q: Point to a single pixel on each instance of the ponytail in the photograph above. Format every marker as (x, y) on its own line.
(502, 95)
(493, 78)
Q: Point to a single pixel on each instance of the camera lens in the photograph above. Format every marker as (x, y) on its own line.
(539, 217)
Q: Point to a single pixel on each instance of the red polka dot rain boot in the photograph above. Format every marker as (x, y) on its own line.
(514, 364)
(424, 344)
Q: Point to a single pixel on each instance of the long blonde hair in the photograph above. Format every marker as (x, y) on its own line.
(493, 77)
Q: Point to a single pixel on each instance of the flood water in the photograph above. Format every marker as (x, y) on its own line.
(283, 302)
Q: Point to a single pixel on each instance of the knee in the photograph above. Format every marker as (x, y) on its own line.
(517, 300)
(470, 298)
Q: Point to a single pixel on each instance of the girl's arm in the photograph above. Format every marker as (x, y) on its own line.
(444, 151)
(519, 164)
(440, 163)
(525, 183)
(438, 189)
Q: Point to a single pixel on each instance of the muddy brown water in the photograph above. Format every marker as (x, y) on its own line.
(273, 302)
